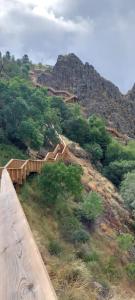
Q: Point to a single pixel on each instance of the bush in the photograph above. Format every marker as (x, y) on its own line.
(125, 241)
(80, 236)
(95, 151)
(58, 181)
(111, 270)
(92, 207)
(87, 255)
(8, 151)
(127, 190)
(68, 224)
(131, 271)
(116, 170)
(54, 248)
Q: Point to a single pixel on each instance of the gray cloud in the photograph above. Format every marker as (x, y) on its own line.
(100, 32)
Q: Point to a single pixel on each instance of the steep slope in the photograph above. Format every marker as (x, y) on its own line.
(104, 276)
(95, 93)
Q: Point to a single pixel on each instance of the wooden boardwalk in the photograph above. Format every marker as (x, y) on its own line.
(20, 169)
(23, 275)
(67, 96)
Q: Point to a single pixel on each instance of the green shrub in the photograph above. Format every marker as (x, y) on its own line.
(127, 190)
(92, 207)
(68, 224)
(87, 255)
(116, 170)
(125, 241)
(111, 270)
(131, 271)
(95, 151)
(80, 236)
(54, 248)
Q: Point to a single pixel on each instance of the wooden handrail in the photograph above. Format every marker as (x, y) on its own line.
(68, 97)
(23, 274)
(20, 169)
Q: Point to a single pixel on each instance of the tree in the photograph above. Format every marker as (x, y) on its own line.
(78, 131)
(57, 181)
(30, 134)
(98, 132)
(114, 151)
(25, 59)
(127, 190)
(8, 55)
(26, 115)
(117, 151)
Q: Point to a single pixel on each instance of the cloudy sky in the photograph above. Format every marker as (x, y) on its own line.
(101, 32)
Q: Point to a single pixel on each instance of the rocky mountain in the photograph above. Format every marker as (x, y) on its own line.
(96, 94)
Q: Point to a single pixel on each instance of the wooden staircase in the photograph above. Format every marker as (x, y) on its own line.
(20, 169)
(68, 97)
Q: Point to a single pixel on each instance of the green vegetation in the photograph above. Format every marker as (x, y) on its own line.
(117, 169)
(54, 248)
(80, 236)
(92, 206)
(127, 190)
(29, 118)
(95, 152)
(8, 151)
(64, 218)
(75, 253)
(111, 270)
(125, 241)
(14, 67)
(131, 271)
(58, 181)
(28, 110)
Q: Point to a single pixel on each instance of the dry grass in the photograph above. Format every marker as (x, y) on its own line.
(72, 277)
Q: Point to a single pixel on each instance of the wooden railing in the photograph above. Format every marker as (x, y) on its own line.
(68, 97)
(117, 134)
(20, 169)
(23, 274)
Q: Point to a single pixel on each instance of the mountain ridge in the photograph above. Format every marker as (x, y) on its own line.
(97, 94)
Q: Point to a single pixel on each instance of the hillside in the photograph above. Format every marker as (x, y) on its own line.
(103, 274)
(81, 210)
(95, 93)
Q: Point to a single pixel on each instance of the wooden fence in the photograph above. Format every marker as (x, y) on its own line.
(23, 275)
(20, 169)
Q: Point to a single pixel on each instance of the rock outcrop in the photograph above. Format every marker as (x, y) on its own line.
(95, 93)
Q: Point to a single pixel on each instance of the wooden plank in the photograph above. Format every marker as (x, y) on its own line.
(23, 275)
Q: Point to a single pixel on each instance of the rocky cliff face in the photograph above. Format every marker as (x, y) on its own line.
(95, 93)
